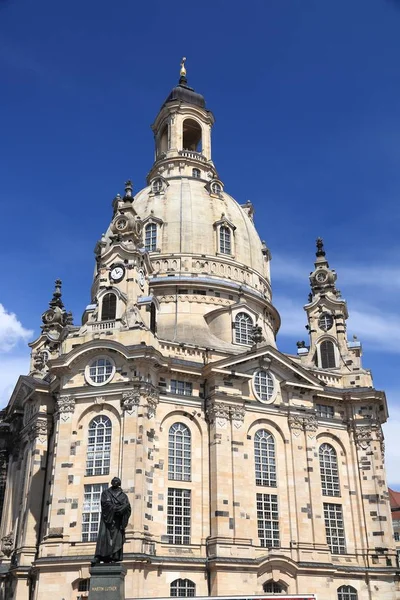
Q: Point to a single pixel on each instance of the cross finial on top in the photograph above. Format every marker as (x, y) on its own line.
(183, 68)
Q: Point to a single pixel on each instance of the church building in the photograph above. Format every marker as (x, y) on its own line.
(249, 471)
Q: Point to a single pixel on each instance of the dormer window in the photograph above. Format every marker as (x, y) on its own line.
(196, 173)
(216, 188)
(157, 186)
(150, 237)
(225, 245)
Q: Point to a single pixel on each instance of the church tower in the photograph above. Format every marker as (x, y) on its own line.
(249, 470)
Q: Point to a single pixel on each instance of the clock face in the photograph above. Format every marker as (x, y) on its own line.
(141, 277)
(117, 272)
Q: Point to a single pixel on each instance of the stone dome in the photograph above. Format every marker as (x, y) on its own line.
(190, 216)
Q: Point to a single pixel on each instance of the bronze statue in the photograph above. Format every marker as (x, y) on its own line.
(115, 513)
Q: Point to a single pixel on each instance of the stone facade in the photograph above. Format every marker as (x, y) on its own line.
(248, 470)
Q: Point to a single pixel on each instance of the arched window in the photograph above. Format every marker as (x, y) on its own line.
(196, 173)
(243, 328)
(109, 307)
(346, 592)
(327, 350)
(163, 140)
(182, 588)
(179, 452)
(225, 245)
(99, 446)
(191, 135)
(264, 458)
(271, 587)
(328, 466)
(150, 237)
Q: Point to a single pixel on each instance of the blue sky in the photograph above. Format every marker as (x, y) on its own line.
(306, 99)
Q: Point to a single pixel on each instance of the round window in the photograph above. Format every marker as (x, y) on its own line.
(100, 371)
(216, 188)
(325, 322)
(263, 385)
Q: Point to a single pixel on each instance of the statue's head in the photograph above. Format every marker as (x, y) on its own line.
(116, 482)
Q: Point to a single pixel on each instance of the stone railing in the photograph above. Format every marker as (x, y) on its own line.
(102, 325)
(192, 154)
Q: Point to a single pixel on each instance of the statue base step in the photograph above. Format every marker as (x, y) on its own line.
(107, 581)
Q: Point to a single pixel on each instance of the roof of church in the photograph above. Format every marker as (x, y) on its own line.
(187, 94)
(394, 498)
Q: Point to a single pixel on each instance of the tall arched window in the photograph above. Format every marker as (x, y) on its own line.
(225, 245)
(179, 452)
(264, 457)
(243, 328)
(182, 588)
(328, 466)
(150, 237)
(99, 446)
(271, 587)
(327, 350)
(346, 592)
(109, 307)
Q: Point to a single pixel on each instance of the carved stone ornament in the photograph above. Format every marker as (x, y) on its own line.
(65, 405)
(295, 424)
(363, 437)
(38, 429)
(237, 415)
(310, 425)
(129, 400)
(7, 544)
(219, 411)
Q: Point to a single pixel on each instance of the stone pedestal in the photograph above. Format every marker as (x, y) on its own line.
(107, 582)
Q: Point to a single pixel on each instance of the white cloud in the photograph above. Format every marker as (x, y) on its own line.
(11, 331)
(11, 368)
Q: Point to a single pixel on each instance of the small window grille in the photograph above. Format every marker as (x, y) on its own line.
(91, 511)
(150, 238)
(196, 173)
(243, 328)
(271, 587)
(225, 246)
(264, 456)
(182, 588)
(179, 452)
(396, 536)
(346, 592)
(334, 528)
(83, 585)
(268, 520)
(329, 470)
(109, 307)
(327, 350)
(184, 388)
(178, 516)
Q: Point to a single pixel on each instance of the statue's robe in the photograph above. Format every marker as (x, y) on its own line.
(115, 513)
